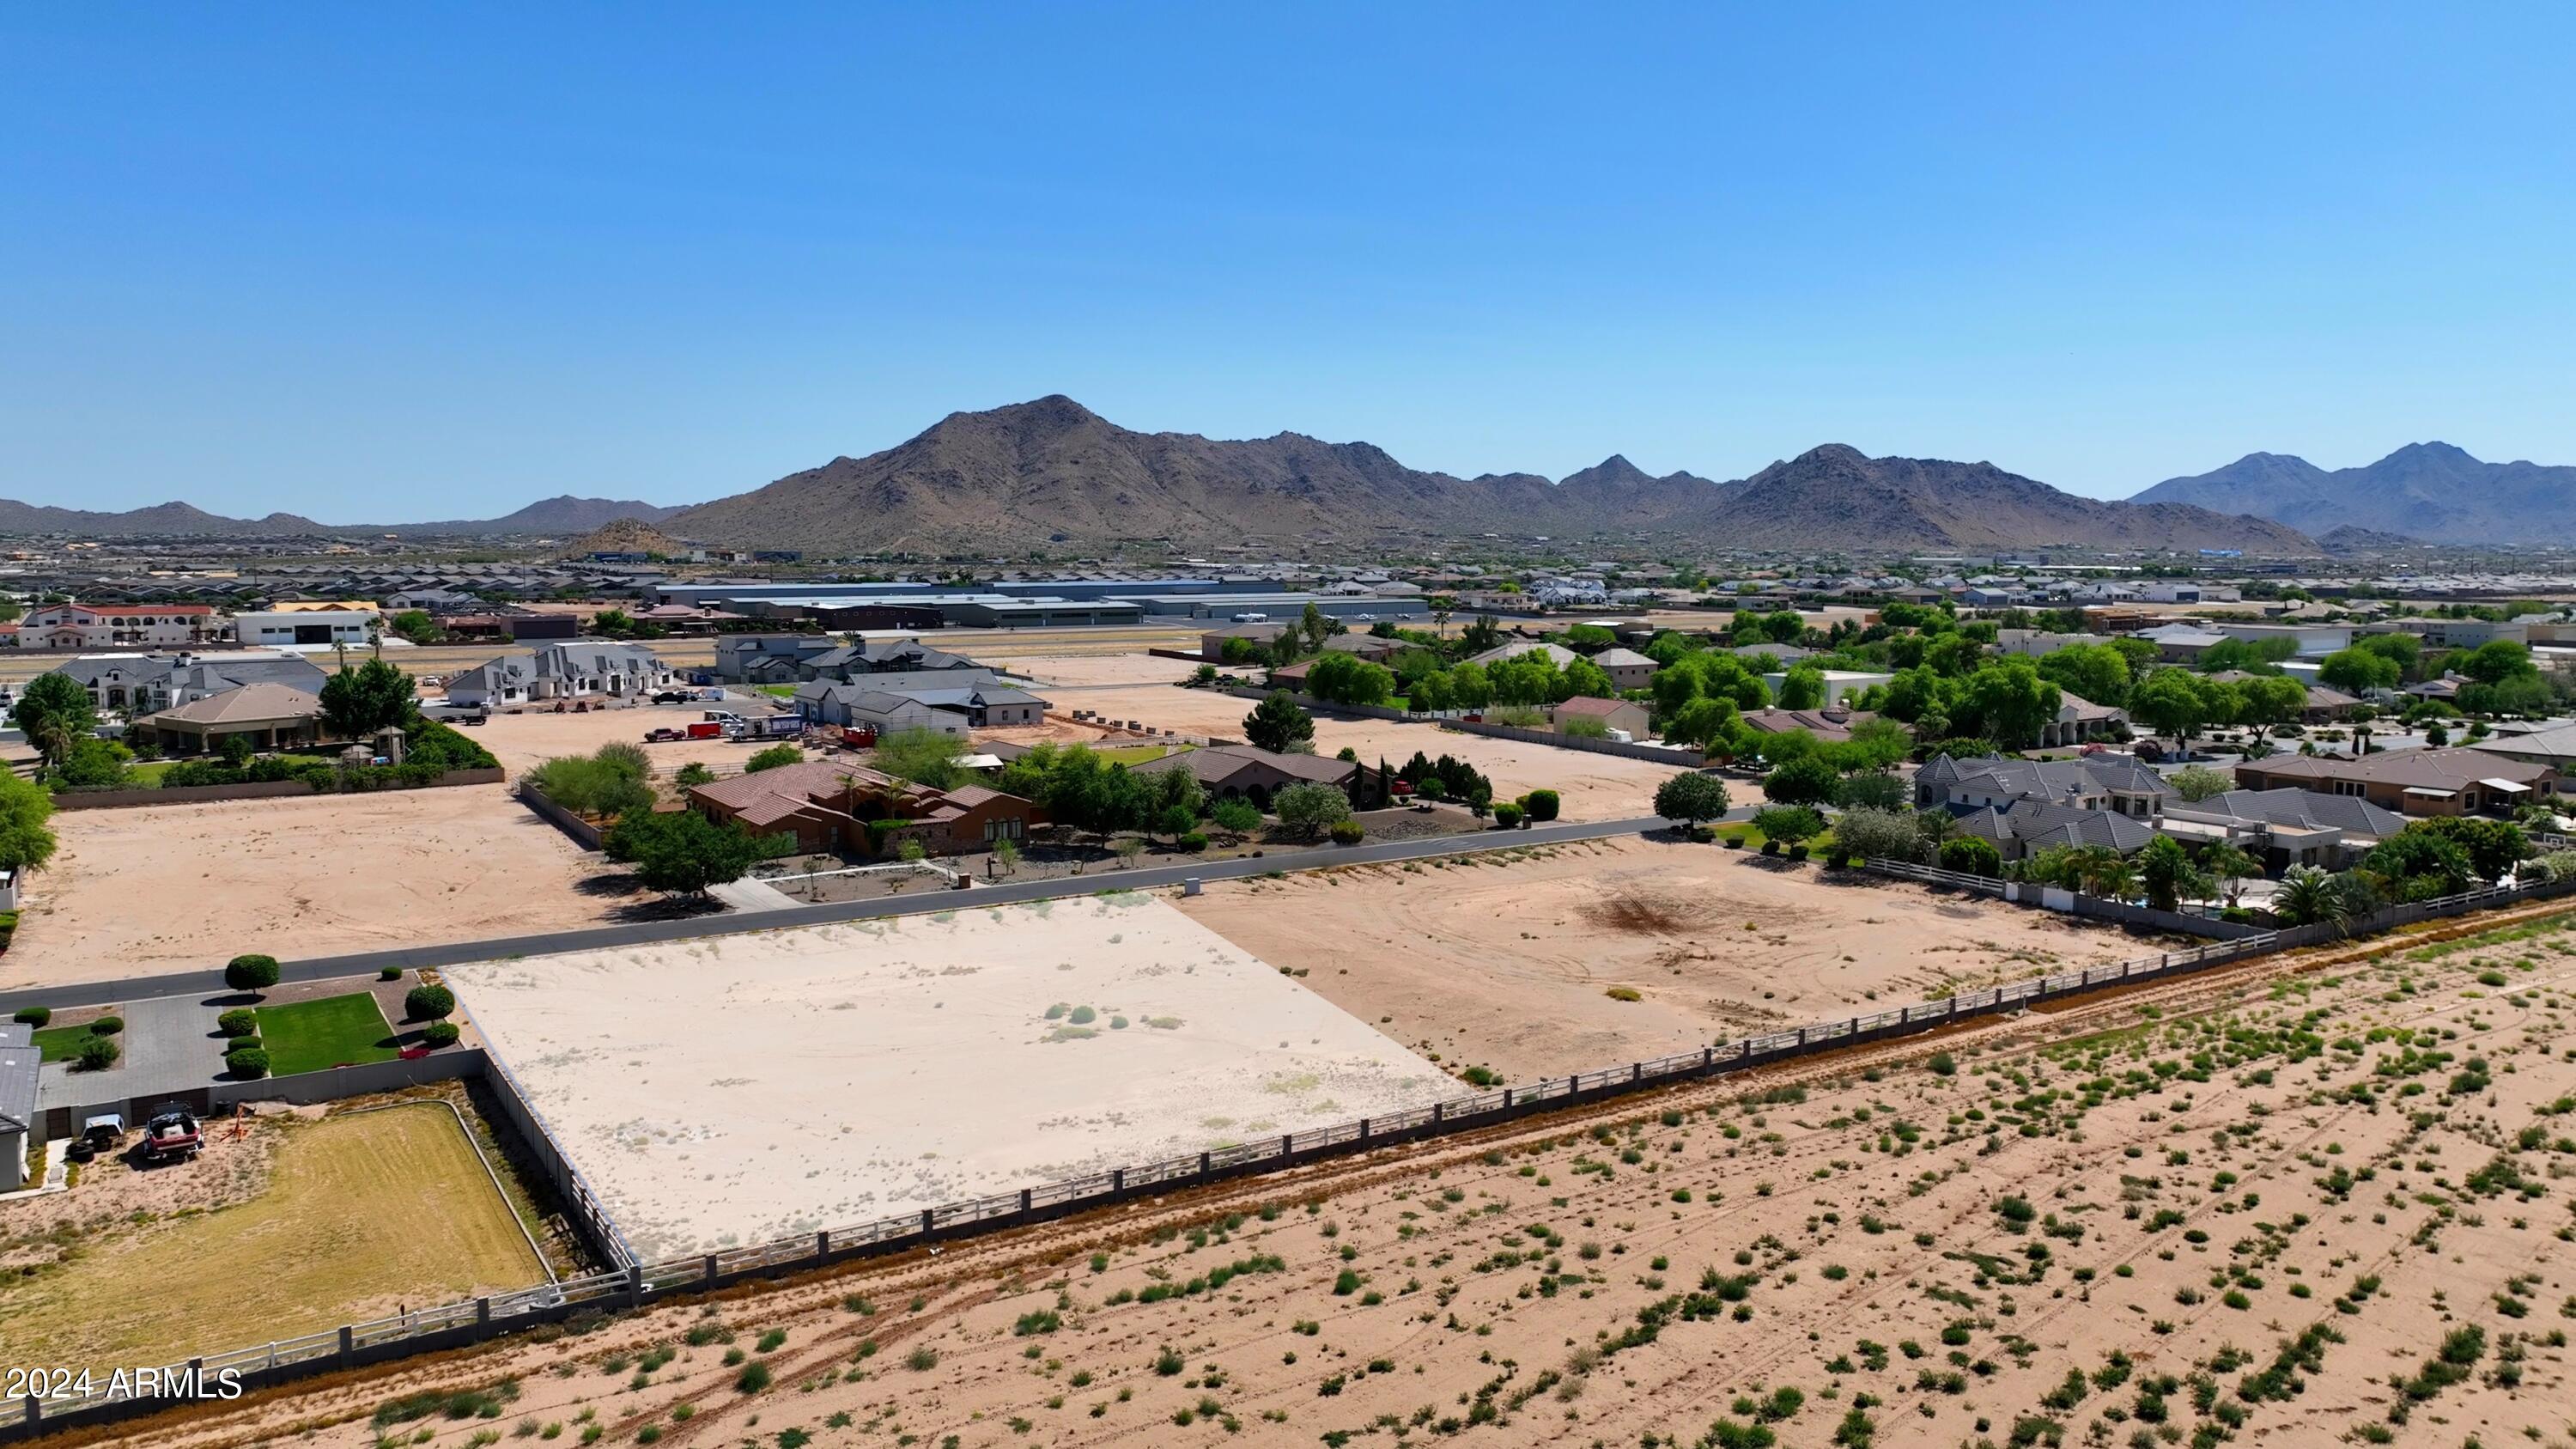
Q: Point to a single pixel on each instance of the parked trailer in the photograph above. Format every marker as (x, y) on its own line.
(783, 725)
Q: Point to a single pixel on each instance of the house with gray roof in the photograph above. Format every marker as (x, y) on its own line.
(577, 669)
(883, 656)
(2284, 827)
(2027, 805)
(20, 1069)
(149, 683)
(952, 707)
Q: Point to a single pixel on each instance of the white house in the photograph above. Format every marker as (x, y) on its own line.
(350, 624)
(112, 626)
(578, 669)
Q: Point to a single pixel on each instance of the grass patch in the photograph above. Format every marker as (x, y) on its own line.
(312, 1035)
(62, 1043)
(361, 1211)
(1132, 754)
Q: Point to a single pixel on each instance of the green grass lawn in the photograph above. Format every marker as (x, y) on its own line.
(312, 1035)
(1132, 754)
(62, 1043)
(779, 691)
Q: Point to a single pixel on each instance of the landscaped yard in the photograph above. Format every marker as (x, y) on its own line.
(360, 1212)
(61, 1043)
(1133, 754)
(310, 1036)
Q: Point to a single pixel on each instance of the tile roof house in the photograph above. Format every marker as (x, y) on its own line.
(2554, 747)
(830, 806)
(2412, 782)
(2283, 828)
(580, 669)
(1557, 654)
(270, 716)
(2026, 805)
(1627, 668)
(1833, 726)
(1615, 714)
(145, 683)
(1242, 772)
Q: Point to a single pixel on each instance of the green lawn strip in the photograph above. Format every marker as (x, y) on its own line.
(1132, 754)
(310, 1036)
(62, 1043)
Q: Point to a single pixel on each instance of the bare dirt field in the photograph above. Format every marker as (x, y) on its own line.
(1506, 959)
(175, 887)
(743, 1088)
(299, 1227)
(1593, 787)
(522, 741)
(2287, 1209)
(1078, 671)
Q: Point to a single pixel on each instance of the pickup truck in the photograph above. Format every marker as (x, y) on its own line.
(172, 1133)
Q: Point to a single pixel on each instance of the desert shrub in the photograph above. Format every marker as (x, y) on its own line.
(1624, 993)
(1770, 847)
(98, 1053)
(1194, 841)
(240, 1021)
(1347, 832)
(428, 1002)
(34, 1015)
(1838, 858)
(107, 1025)
(772, 758)
(1506, 814)
(251, 972)
(1798, 851)
(439, 1034)
(389, 973)
(1539, 805)
(693, 773)
(1734, 842)
(247, 1062)
(1310, 809)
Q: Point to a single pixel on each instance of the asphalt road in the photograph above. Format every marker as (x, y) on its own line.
(644, 933)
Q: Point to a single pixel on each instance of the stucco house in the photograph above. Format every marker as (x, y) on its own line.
(580, 669)
(1241, 772)
(829, 806)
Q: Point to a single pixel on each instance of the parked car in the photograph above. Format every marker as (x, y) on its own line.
(672, 696)
(725, 716)
(664, 735)
(1252, 618)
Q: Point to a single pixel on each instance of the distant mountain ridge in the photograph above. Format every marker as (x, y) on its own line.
(1051, 472)
(2431, 491)
(563, 514)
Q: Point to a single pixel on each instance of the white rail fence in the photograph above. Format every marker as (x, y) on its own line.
(633, 1284)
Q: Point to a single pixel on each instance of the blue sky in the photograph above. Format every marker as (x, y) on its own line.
(377, 263)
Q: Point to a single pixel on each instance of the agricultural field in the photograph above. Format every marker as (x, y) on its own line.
(743, 1088)
(186, 887)
(297, 1228)
(1566, 958)
(2298, 1208)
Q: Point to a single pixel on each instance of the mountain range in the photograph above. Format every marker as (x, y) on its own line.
(1053, 476)
(2429, 491)
(1051, 472)
(563, 514)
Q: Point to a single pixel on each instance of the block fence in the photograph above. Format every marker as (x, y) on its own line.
(634, 1284)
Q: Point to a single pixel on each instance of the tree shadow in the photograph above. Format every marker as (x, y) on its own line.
(668, 908)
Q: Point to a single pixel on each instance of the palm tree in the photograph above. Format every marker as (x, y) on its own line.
(2230, 866)
(2307, 896)
(2105, 872)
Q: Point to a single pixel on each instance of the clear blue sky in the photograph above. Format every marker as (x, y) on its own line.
(370, 262)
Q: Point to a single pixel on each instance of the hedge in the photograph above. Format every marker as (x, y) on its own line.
(428, 1002)
(240, 1021)
(249, 1062)
(439, 1034)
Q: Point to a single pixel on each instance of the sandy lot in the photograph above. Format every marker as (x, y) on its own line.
(521, 741)
(179, 887)
(1080, 671)
(1506, 959)
(2207, 1226)
(743, 1088)
(1593, 787)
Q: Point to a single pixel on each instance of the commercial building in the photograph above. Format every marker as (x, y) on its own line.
(351, 624)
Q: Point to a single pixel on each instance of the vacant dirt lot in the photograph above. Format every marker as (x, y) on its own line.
(177, 887)
(312, 1225)
(743, 1088)
(2211, 1226)
(520, 741)
(1594, 787)
(1079, 671)
(1506, 959)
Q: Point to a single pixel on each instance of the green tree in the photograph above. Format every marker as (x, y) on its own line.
(2420, 864)
(1691, 797)
(1315, 628)
(2230, 868)
(416, 626)
(93, 764)
(2494, 847)
(1235, 817)
(358, 702)
(2009, 702)
(680, 852)
(1871, 791)
(2096, 672)
(251, 972)
(2165, 872)
(1803, 687)
(1969, 855)
(774, 757)
(55, 712)
(2171, 701)
(2195, 783)
(1349, 679)
(2270, 700)
(1702, 722)
(1276, 724)
(2306, 896)
(1788, 824)
(1871, 833)
(1309, 809)
(26, 841)
(2359, 671)
(1808, 781)
(923, 756)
